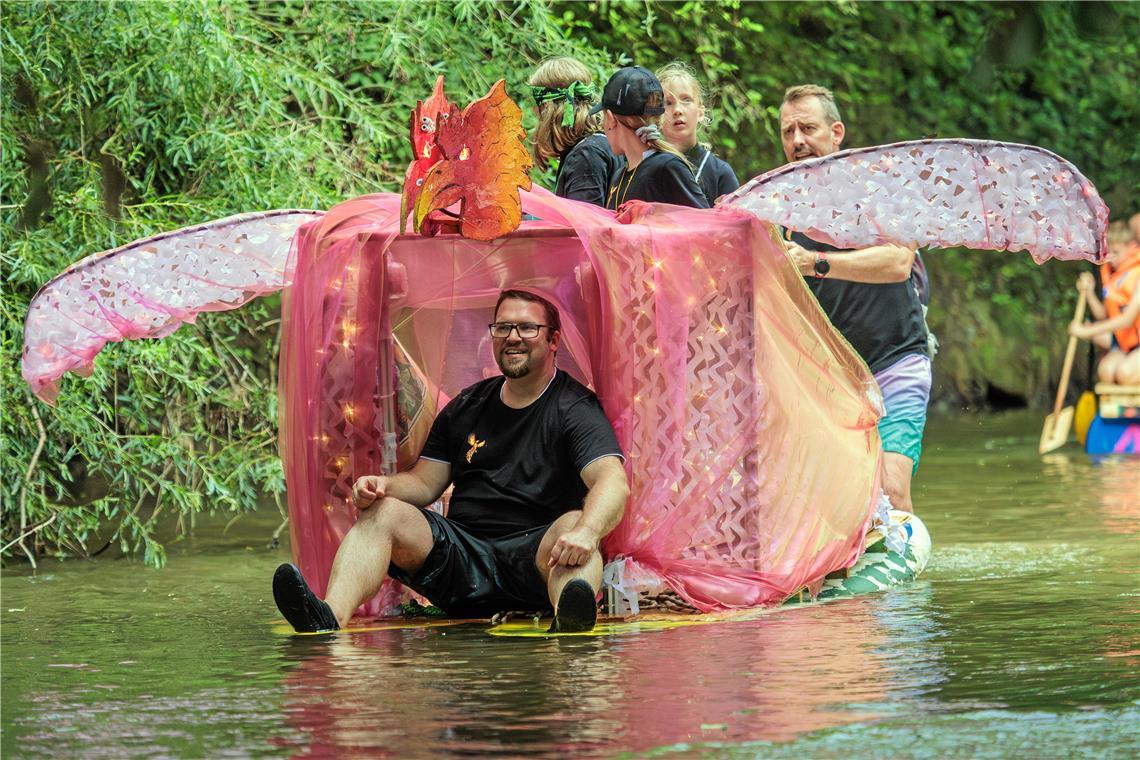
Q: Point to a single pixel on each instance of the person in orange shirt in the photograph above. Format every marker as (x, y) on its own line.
(1117, 318)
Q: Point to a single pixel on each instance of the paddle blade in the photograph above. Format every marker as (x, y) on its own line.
(1056, 430)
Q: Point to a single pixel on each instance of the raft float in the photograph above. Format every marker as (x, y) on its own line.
(748, 422)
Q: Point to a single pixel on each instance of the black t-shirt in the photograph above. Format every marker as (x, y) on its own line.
(713, 173)
(516, 469)
(882, 322)
(660, 178)
(585, 170)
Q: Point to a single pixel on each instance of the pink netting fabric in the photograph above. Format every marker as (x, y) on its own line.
(149, 288)
(937, 193)
(748, 422)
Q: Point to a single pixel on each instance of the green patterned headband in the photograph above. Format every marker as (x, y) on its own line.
(572, 92)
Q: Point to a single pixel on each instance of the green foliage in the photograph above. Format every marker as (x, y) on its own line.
(1058, 75)
(127, 119)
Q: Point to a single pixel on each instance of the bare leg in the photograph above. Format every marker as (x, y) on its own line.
(558, 576)
(1128, 372)
(896, 480)
(1109, 366)
(391, 531)
(1102, 341)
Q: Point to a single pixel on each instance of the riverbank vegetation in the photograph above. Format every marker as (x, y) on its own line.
(122, 120)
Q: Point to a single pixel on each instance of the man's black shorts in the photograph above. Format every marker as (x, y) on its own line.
(468, 576)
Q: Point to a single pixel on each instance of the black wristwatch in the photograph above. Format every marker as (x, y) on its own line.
(822, 266)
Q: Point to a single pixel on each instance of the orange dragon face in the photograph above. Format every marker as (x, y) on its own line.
(475, 158)
(427, 119)
(484, 163)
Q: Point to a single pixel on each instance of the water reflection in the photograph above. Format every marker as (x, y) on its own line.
(1115, 482)
(412, 691)
(458, 689)
(1022, 629)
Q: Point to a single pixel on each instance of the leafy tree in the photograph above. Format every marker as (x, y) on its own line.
(126, 119)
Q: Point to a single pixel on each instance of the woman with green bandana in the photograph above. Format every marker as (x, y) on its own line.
(563, 91)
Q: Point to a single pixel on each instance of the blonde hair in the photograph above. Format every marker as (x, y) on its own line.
(825, 96)
(551, 138)
(637, 122)
(679, 71)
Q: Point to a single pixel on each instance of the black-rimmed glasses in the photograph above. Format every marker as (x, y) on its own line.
(526, 330)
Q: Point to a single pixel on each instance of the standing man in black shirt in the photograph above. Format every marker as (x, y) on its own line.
(868, 296)
(539, 481)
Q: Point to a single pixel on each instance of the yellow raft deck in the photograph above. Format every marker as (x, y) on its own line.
(877, 570)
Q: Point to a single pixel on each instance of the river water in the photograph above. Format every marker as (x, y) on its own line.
(1020, 640)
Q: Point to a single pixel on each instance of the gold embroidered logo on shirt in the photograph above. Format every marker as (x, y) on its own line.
(475, 446)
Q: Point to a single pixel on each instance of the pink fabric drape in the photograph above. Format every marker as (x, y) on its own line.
(748, 422)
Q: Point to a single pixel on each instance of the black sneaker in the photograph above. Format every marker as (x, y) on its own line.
(300, 606)
(577, 608)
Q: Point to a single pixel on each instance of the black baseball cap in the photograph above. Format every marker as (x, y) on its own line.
(628, 92)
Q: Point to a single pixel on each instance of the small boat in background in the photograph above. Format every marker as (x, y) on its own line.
(1109, 421)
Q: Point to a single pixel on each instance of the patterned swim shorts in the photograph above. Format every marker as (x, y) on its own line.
(906, 392)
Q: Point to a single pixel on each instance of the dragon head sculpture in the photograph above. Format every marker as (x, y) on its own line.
(476, 158)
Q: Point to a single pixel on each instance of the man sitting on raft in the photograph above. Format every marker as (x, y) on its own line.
(539, 481)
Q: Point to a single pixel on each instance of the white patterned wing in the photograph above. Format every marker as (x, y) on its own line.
(150, 287)
(939, 194)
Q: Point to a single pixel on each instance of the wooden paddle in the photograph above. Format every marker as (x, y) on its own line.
(1056, 430)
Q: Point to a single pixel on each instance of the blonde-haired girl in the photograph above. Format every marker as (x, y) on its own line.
(684, 115)
(655, 171)
(563, 91)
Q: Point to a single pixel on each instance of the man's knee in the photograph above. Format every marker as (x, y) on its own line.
(566, 521)
(389, 516)
(403, 527)
(562, 524)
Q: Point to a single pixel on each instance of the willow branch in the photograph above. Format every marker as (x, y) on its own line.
(24, 487)
(34, 529)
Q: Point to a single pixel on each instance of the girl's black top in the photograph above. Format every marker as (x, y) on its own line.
(713, 173)
(660, 178)
(585, 170)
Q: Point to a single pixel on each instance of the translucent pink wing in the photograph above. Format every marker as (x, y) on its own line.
(148, 288)
(937, 193)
